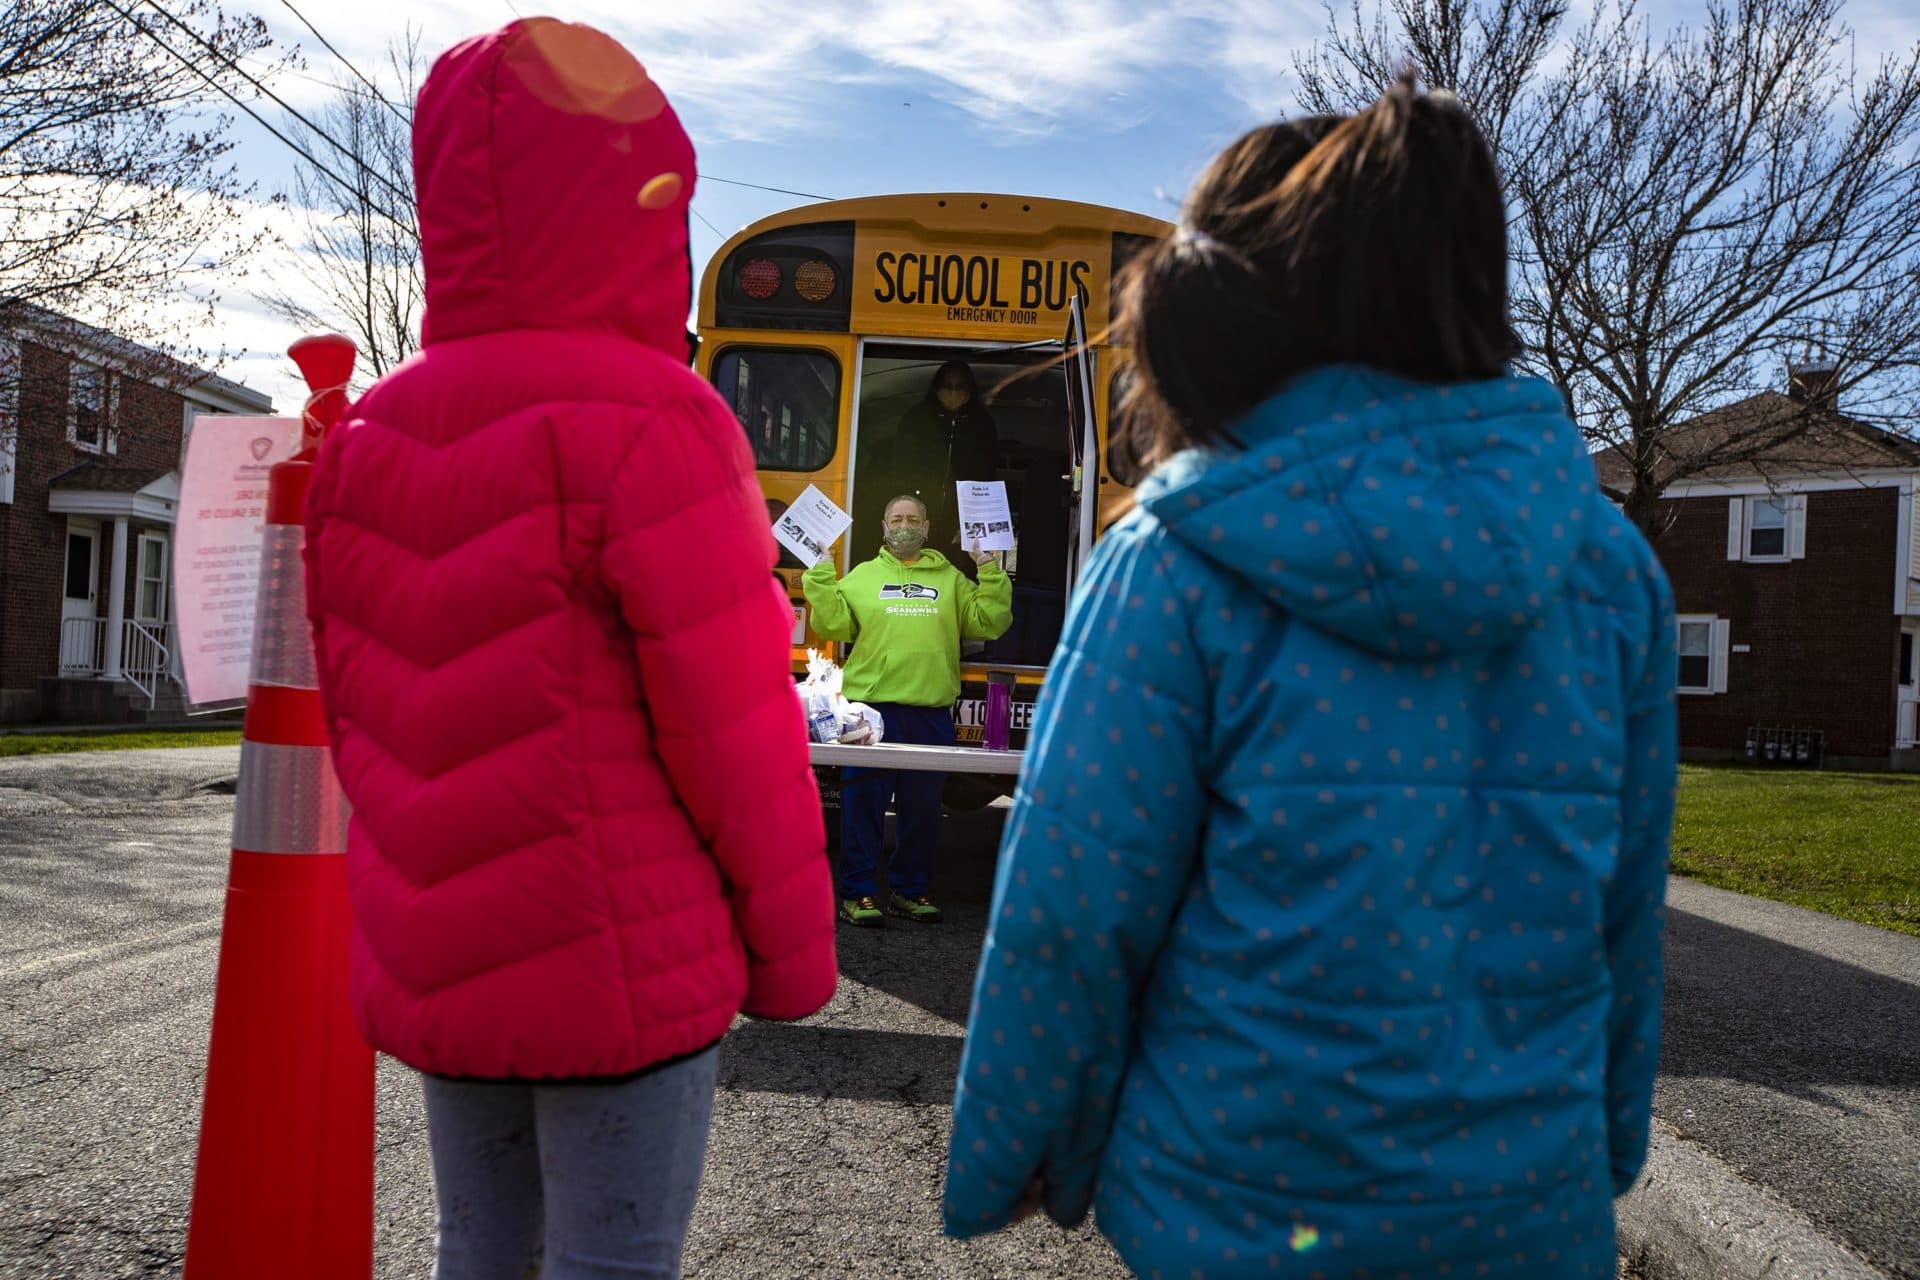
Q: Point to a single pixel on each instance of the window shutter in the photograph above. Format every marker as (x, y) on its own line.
(1736, 527)
(9, 410)
(110, 430)
(1797, 527)
(1722, 636)
(1913, 549)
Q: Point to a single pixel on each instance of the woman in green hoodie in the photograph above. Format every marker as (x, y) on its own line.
(906, 610)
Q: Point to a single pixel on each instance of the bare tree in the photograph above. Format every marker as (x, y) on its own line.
(359, 248)
(119, 205)
(116, 190)
(1692, 212)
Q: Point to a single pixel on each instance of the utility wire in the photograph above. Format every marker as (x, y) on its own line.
(405, 197)
(352, 91)
(261, 120)
(734, 182)
(348, 64)
(317, 131)
(397, 113)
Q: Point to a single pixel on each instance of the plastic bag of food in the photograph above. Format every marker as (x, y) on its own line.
(830, 717)
(861, 724)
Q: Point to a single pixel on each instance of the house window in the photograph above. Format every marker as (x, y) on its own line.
(90, 397)
(1703, 654)
(1909, 668)
(1769, 528)
(150, 593)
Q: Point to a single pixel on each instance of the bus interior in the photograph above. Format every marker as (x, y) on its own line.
(1024, 390)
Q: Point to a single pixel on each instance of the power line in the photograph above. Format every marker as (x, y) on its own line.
(348, 64)
(708, 225)
(316, 130)
(397, 113)
(275, 70)
(735, 182)
(237, 101)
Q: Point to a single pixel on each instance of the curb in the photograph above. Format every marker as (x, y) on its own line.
(1691, 1217)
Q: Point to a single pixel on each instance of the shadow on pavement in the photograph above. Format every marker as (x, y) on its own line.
(840, 1063)
(1799, 1071)
(1741, 1006)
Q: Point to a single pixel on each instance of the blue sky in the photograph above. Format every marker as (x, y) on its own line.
(1110, 102)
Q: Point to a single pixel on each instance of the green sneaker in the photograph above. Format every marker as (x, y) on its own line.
(918, 910)
(864, 912)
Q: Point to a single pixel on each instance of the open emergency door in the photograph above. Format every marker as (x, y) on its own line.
(1083, 442)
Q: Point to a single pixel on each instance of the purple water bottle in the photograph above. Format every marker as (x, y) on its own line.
(999, 710)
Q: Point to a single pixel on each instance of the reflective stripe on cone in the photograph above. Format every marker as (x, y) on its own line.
(289, 801)
(282, 643)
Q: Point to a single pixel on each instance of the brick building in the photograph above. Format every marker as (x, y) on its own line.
(1797, 576)
(91, 432)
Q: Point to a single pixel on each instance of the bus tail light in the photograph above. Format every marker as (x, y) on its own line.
(815, 280)
(759, 278)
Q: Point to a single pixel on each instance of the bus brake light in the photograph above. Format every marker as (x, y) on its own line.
(760, 278)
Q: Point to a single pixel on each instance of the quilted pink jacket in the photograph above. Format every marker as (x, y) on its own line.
(552, 650)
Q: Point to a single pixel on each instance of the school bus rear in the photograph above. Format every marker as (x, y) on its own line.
(823, 327)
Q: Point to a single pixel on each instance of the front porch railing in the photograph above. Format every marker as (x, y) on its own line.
(83, 646)
(144, 657)
(146, 654)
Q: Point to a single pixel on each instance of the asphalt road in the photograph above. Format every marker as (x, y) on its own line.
(829, 1137)
(1792, 1052)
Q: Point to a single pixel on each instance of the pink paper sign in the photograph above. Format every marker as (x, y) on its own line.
(223, 508)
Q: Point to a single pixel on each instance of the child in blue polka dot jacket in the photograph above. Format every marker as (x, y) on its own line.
(1326, 940)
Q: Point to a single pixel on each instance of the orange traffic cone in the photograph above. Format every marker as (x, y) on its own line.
(284, 1184)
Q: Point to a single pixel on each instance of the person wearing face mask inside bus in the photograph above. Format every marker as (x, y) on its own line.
(906, 611)
(949, 436)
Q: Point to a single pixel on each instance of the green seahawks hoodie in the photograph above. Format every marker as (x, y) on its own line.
(907, 622)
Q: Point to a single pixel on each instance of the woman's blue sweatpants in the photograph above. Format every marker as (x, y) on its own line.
(915, 797)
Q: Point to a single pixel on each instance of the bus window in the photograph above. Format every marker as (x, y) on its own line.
(787, 400)
(1017, 433)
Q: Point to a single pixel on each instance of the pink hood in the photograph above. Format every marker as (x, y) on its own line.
(553, 182)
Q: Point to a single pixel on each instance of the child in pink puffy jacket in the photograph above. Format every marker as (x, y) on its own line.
(555, 666)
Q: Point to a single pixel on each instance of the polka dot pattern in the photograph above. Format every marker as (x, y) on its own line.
(1339, 862)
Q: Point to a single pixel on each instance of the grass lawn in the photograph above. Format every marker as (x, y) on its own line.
(1844, 843)
(41, 744)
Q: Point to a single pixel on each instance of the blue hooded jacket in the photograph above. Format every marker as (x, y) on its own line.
(1326, 934)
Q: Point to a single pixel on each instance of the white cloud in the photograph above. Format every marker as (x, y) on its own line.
(1025, 67)
(1254, 43)
(769, 69)
(766, 69)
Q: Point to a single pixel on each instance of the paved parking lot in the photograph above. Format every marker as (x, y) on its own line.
(829, 1136)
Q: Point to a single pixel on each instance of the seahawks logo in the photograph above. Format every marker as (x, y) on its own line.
(909, 591)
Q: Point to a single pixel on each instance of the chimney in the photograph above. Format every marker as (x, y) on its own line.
(1814, 381)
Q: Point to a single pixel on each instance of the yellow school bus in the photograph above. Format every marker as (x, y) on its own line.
(824, 327)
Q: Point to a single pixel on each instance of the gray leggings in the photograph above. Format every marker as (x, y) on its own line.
(569, 1181)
